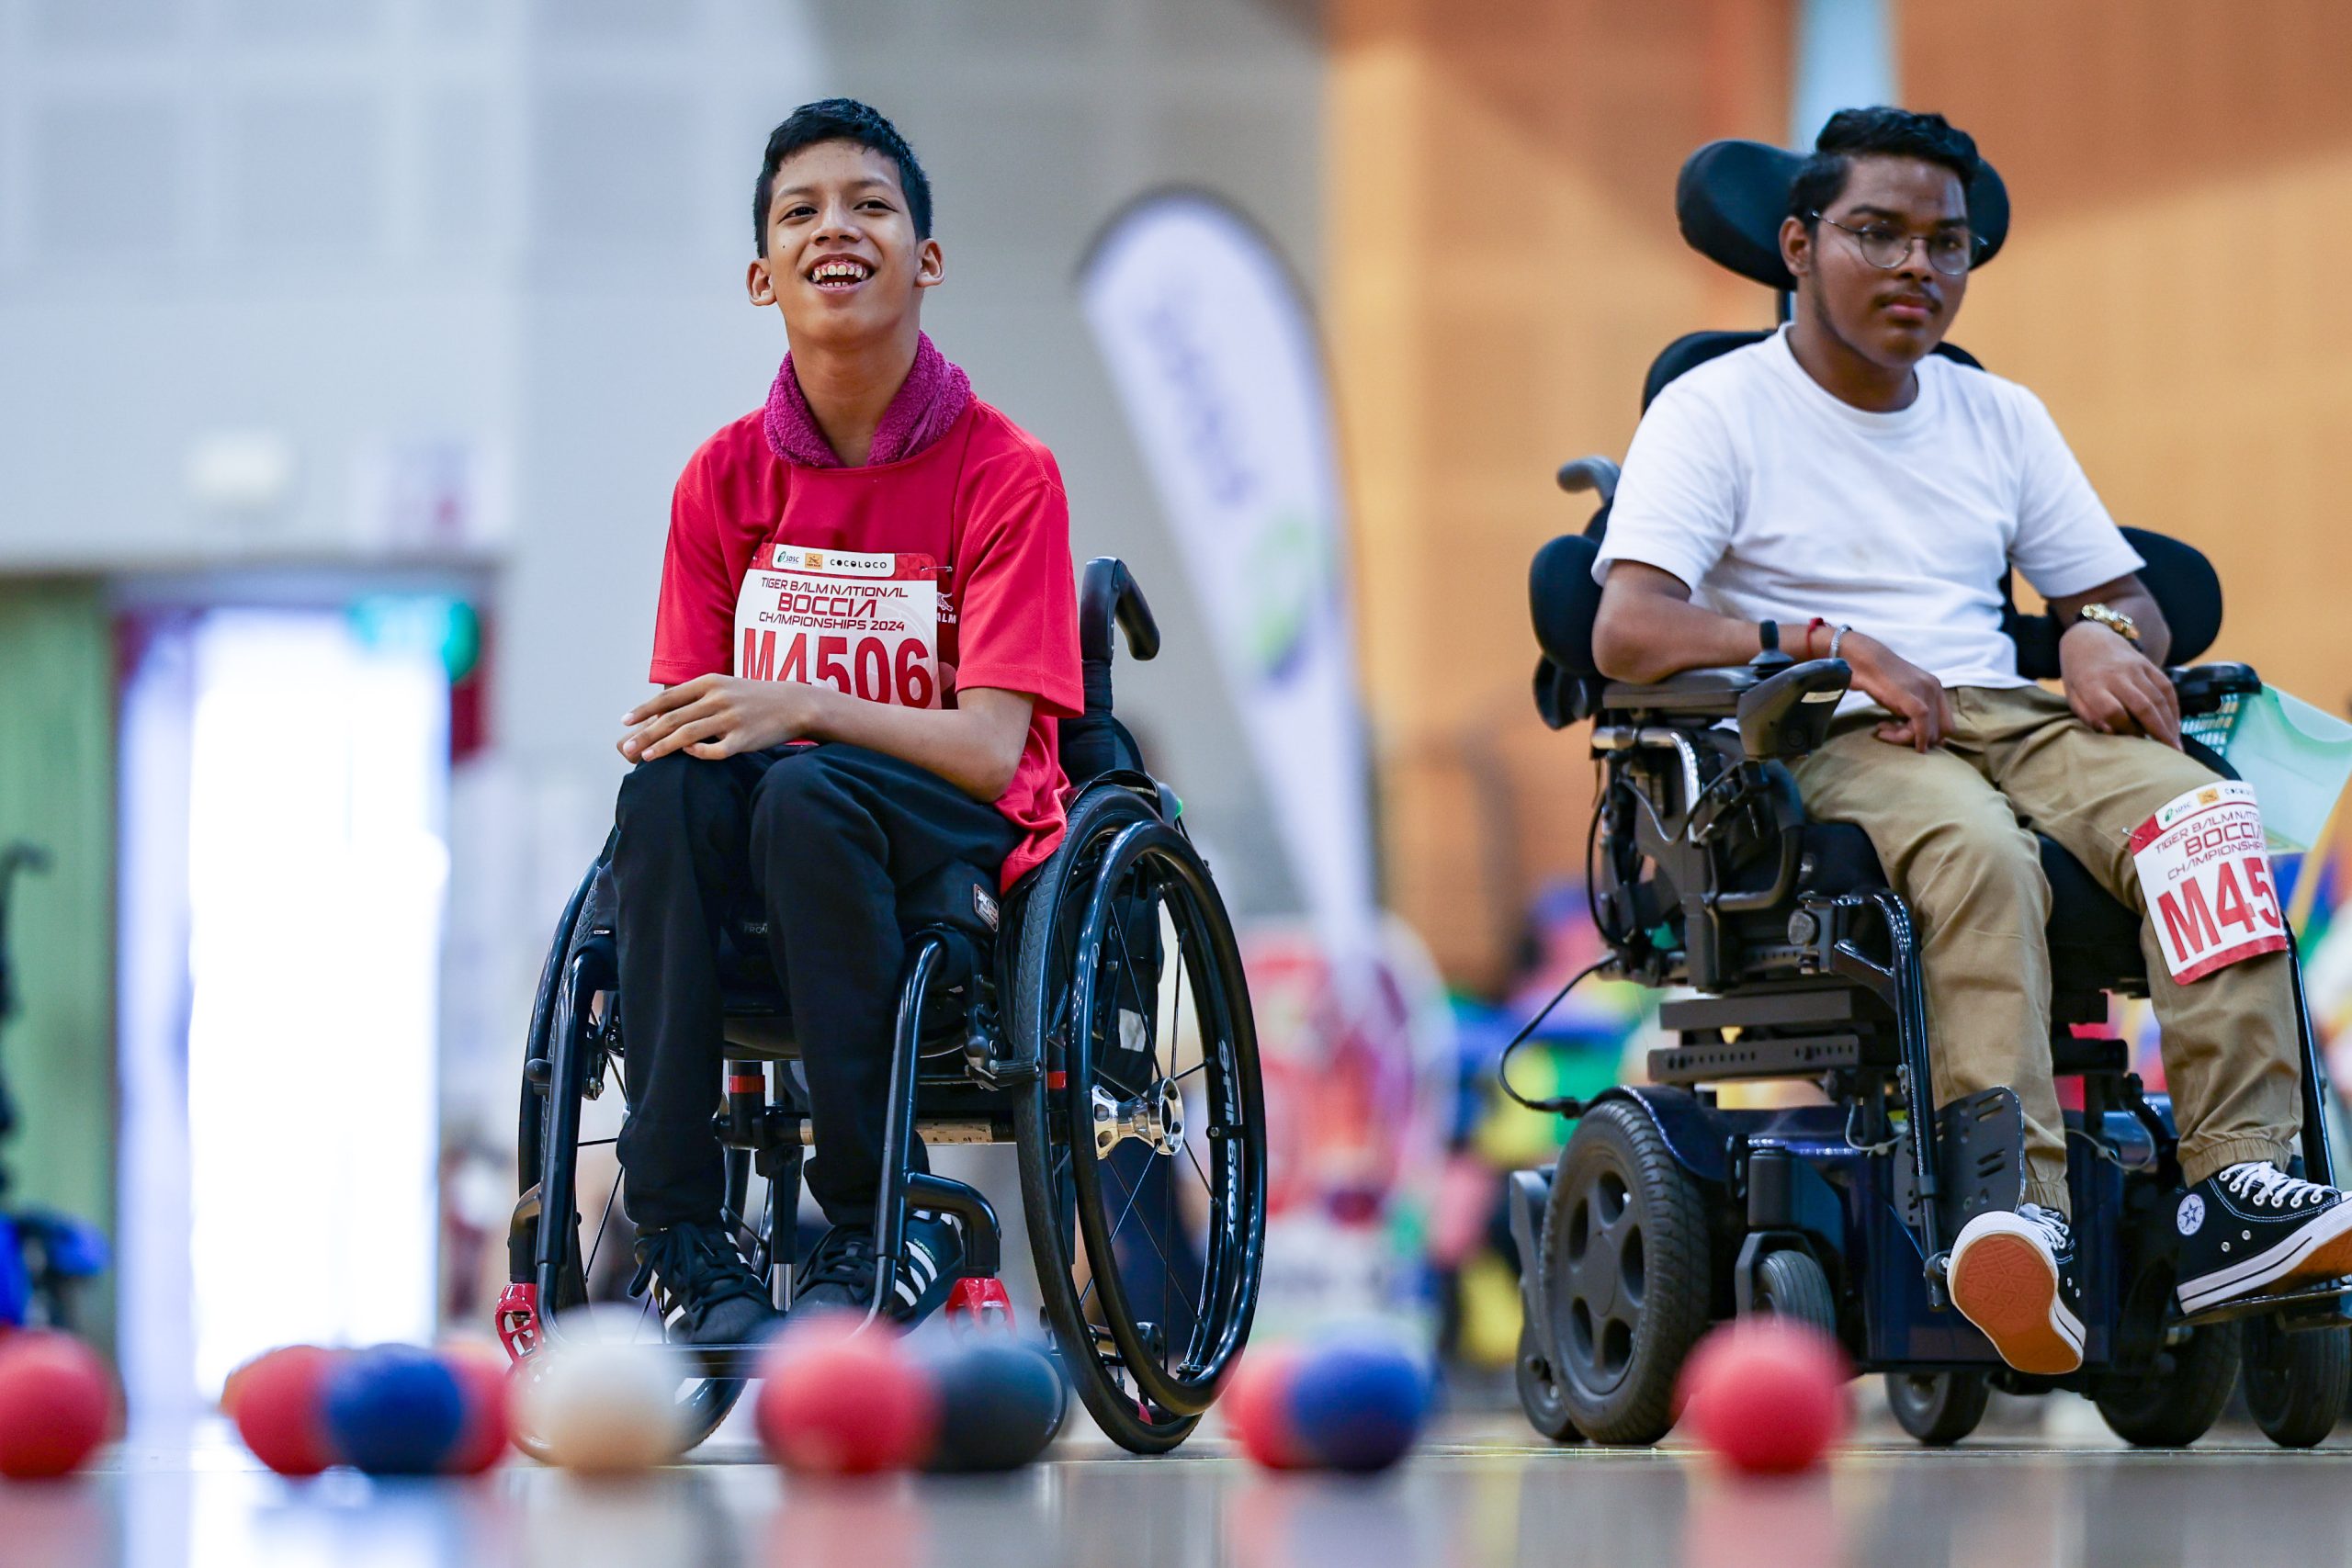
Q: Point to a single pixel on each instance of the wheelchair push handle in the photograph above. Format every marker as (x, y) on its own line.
(1598, 475)
(1109, 592)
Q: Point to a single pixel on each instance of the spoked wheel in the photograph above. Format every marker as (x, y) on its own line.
(1624, 1255)
(1142, 1143)
(572, 1105)
(1938, 1408)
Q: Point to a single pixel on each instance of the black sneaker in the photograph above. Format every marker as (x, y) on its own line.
(2254, 1227)
(2013, 1276)
(707, 1294)
(840, 1271)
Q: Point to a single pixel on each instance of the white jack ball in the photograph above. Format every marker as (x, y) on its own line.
(604, 1405)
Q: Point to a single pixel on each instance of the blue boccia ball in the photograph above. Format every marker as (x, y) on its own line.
(394, 1410)
(1357, 1403)
(1000, 1404)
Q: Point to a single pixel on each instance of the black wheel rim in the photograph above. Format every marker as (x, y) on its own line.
(602, 1225)
(1161, 1329)
(1605, 1256)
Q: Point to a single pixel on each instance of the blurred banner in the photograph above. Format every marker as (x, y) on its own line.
(1213, 352)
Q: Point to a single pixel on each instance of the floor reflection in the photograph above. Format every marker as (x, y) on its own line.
(1489, 1504)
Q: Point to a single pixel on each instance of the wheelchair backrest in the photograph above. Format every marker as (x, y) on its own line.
(1729, 201)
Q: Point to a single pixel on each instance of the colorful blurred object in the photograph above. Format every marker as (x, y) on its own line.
(1360, 1086)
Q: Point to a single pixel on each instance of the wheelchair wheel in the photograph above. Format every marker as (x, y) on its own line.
(2173, 1404)
(1142, 1141)
(1624, 1256)
(2295, 1381)
(1539, 1393)
(569, 1105)
(1790, 1284)
(1938, 1408)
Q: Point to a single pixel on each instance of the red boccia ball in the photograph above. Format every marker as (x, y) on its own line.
(837, 1402)
(1766, 1396)
(56, 1403)
(279, 1402)
(483, 1382)
(1257, 1406)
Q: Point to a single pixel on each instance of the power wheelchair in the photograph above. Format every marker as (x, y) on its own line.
(1668, 1211)
(1143, 1177)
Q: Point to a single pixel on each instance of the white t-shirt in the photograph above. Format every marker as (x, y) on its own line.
(1776, 501)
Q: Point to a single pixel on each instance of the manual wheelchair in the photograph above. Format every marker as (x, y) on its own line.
(1107, 1033)
(1668, 1211)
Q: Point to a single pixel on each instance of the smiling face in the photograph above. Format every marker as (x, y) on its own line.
(1893, 317)
(843, 261)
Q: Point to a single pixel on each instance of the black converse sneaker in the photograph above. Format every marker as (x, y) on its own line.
(840, 1271)
(2254, 1227)
(707, 1294)
(2012, 1275)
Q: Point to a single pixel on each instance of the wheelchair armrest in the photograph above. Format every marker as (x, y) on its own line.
(2203, 687)
(1783, 708)
(1701, 693)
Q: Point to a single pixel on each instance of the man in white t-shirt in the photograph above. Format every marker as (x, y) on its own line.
(1841, 490)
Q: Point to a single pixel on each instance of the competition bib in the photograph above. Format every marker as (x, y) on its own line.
(866, 624)
(2206, 880)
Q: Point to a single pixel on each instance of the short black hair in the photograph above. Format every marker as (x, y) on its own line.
(840, 120)
(1881, 133)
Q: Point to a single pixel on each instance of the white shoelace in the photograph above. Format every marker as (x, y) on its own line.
(2050, 1223)
(2259, 1182)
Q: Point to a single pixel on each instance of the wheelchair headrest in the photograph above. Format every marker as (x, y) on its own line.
(1731, 197)
(1562, 597)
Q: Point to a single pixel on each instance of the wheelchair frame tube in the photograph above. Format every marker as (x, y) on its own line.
(899, 1121)
(559, 1149)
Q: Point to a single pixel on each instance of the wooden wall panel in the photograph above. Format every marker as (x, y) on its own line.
(2173, 288)
(1503, 266)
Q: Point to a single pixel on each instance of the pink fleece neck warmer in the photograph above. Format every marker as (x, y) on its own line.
(933, 396)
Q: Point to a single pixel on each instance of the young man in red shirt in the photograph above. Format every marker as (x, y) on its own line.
(868, 632)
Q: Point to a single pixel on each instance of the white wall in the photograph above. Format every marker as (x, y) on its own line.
(521, 228)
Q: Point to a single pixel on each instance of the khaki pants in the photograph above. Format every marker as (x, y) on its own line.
(1954, 830)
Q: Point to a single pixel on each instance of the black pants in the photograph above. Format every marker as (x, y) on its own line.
(833, 844)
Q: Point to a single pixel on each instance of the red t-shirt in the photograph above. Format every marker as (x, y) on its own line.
(985, 500)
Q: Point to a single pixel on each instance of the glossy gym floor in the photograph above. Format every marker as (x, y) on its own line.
(2055, 1490)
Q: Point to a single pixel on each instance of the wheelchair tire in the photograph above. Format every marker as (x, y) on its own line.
(1625, 1251)
(1539, 1395)
(1790, 1284)
(706, 1402)
(2172, 1407)
(1938, 1408)
(1107, 1025)
(2296, 1382)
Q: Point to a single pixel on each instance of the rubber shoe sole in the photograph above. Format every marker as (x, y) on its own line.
(2008, 1286)
(2321, 1251)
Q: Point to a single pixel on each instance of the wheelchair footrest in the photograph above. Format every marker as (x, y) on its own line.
(979, 1304)
(2324, 1305)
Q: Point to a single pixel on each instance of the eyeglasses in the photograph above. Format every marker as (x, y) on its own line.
(1949, 251)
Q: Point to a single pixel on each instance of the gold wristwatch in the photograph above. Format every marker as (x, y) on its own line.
(2115, 621)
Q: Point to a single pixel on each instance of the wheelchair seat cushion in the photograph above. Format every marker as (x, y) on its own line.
(2094, 938)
